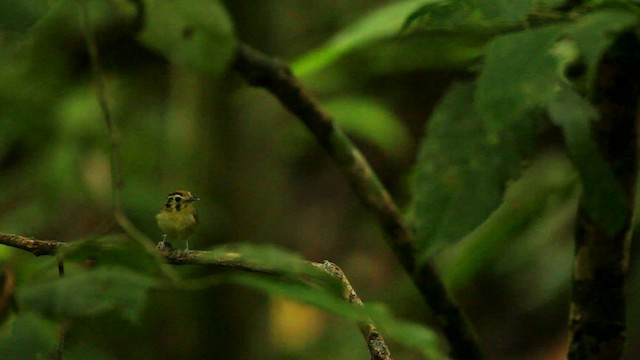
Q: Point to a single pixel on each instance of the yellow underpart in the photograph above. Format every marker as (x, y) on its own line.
(177, 224)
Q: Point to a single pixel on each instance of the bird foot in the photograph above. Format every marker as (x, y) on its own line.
(164, 245)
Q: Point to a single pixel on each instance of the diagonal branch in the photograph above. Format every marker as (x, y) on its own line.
(276, 77)
(233, 261)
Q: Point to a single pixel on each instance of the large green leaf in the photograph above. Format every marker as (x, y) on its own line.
(524, 70)
(603, 195)
(88, 293)
(521, 72)
(462, 168)
(196, 33)
(382, 23)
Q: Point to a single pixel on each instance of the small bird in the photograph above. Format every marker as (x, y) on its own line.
(178, 218)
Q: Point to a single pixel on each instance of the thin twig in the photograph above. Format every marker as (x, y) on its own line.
(276, 77)
(228, 260)
(117, 179)
(377, 346)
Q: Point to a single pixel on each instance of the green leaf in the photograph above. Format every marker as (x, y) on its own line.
(371, 121)
(521, 72)
(197, 33)
(539, 202)
(88, 293)
(406, 333)
(462, 168)
(595, 32)
(111, 250)
(469, 14)
(28, 336)
(446, 14)
(19, 15)
(603, 196)
(380, 24)
(504, 10)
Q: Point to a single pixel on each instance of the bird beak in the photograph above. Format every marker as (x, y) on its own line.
(194, 198)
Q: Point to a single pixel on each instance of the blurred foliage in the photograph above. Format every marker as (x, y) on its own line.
(462, 169)
(492, 194)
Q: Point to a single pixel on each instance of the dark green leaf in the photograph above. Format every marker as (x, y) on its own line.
(534, 208)
(28, 336)
(445, 14)
(504, 10)
(521, 73)
(595, 32)
(198, 34)
(462, 168)
(88, 293)
(110, 250)
(460, 14)
(603, 195)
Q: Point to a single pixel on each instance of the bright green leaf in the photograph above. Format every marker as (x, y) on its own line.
(88, 293)
(198, 34)
(521, 72)
(380, 24)
(371, 121)
(462, 168)
(603, 195)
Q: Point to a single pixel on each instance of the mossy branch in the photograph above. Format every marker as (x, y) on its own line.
(233, 261)
(276, 77)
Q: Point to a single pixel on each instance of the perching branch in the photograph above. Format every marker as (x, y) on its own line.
(233, 261)
(276, 77)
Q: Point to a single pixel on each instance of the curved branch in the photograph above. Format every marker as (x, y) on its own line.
(276, 77)
(377, 346)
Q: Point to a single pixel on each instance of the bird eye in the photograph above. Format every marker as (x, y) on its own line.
(178, 198)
